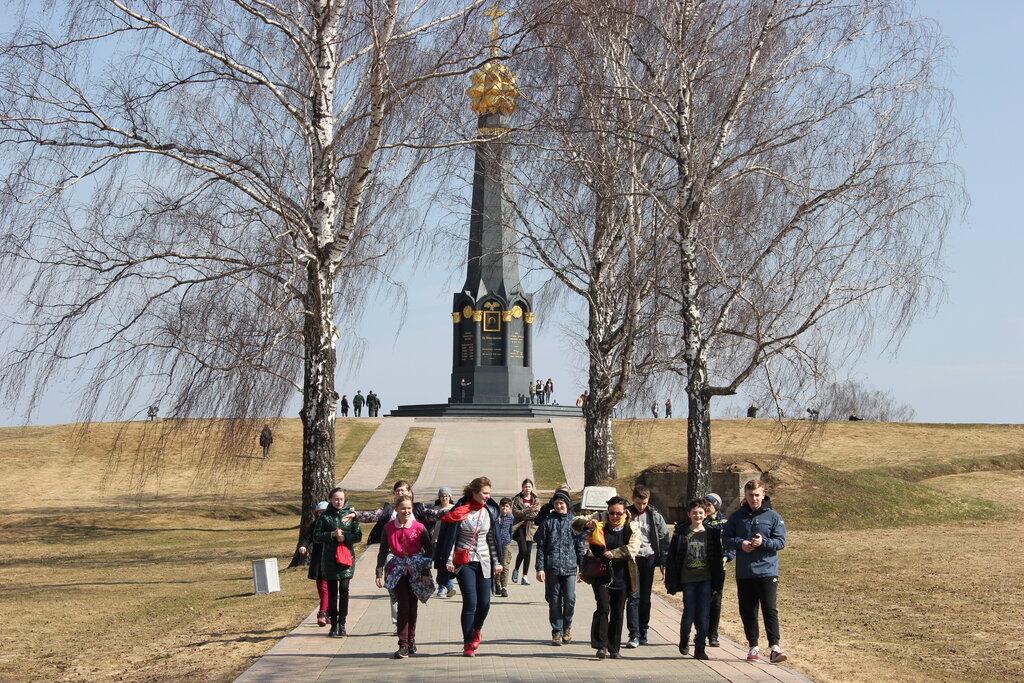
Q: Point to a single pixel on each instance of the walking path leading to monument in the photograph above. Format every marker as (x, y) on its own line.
(462, 449)
(515, 645)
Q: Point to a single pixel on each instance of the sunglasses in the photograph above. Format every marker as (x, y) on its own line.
(616, 514)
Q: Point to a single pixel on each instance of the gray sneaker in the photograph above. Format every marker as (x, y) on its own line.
(633, 642)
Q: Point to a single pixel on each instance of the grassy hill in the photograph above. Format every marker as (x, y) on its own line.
(137, 567)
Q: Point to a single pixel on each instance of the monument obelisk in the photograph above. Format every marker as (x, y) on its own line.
(492, 317)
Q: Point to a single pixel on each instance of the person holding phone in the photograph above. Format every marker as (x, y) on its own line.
(757, 533)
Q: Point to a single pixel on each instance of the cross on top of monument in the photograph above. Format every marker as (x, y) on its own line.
(494, 13)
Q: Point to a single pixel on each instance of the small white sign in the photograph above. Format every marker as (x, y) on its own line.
(596, 497)
(265, 576)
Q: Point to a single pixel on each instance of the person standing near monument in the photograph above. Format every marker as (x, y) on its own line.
(757, 533)
(464, 388)
(533, 393)
(357, 402)
(539, 390)
(266, 439)
(549, 388)
(652, 554)
(468, 547)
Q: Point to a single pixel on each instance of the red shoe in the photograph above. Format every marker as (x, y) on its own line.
(467, 650)
(476, 640)
(321, 619)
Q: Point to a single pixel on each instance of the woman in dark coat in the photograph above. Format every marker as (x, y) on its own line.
(316, 551)
(337, 524)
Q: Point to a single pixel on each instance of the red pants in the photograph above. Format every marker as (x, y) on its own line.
(321, 589)
(407, 608)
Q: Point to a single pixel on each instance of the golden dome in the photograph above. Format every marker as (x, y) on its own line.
(493, 91)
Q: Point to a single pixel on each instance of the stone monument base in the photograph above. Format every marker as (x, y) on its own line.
(504, 410)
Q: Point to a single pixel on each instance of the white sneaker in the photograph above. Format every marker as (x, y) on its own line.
(777, 656)
(753, 654)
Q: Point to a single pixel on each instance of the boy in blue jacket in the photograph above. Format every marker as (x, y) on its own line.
(504, 533)
(559, 555)
(757, 533)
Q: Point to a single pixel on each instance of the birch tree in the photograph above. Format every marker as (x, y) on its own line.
(191, 189)
(810, 190)
(587, 219)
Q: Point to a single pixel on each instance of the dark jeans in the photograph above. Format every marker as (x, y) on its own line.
(337, 599)
(754, 593)
(696, 605)
(525, 547)
(638, 609)
(560, 593)
(606, 629)
(476, 598)
(407, 609)
(714, 615)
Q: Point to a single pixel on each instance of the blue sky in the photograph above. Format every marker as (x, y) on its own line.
(961, 365)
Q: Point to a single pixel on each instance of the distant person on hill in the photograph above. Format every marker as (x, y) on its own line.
(335, 527)
(654, 410)
(357, 402)
(757, 533)
(668, 408)
(854, 418)
(752, 411)
(579, 401)
(695, 567)
(315, 551)
(344, 405)
(373, 404)
(152, 411)
(266, 439)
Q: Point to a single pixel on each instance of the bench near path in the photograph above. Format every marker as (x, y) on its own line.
(516, 645)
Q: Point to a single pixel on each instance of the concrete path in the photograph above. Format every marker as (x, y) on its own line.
(379, 453)
(462, 449)
(515, 646)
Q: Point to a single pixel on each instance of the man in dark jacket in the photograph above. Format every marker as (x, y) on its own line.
(559, 555)
(357, 403)
(757, 533)
(652, 555)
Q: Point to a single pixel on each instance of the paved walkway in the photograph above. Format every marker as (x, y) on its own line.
(515, 646)
(462, 449)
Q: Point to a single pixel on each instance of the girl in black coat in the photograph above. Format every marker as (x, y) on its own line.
(315, 551)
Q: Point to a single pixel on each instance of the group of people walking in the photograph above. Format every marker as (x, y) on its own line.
(617, 551)
(371, 401)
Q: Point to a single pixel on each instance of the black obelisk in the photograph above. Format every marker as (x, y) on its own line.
(492, 316)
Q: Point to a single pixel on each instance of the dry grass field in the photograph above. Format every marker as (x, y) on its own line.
(113, 571)
(138, 569)
(889, 574)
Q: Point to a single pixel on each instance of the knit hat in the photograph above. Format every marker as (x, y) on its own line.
(714, 499)
(322, 505)
(445, 491)
(562, 495)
